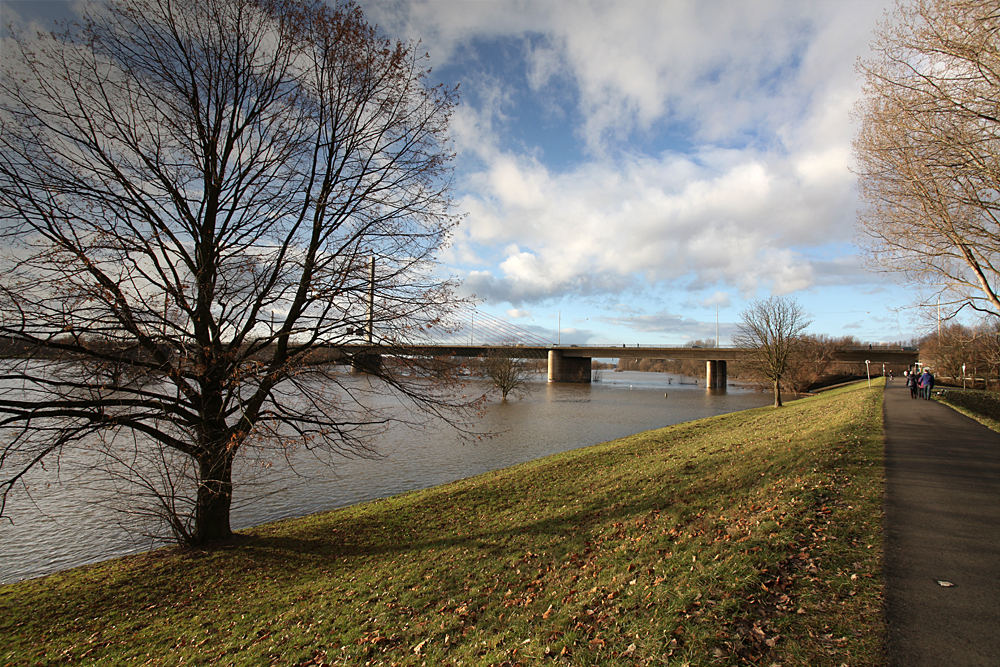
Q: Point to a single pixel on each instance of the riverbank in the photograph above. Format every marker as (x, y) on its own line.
(748, 538)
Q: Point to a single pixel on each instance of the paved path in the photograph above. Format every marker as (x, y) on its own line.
(942, 523)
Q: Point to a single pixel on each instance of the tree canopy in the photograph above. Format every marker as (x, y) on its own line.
(202, 201)
(928, 151)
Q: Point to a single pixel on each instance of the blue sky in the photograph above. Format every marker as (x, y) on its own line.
(629, 167)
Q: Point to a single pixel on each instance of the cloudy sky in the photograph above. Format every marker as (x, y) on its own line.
(630, 169)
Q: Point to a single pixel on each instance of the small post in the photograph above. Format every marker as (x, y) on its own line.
(869, 371)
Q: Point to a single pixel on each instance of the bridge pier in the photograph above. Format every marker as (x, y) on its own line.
(716, 376)
(366, 363)
(568, 369)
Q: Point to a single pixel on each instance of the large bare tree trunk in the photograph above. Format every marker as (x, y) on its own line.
(215, 497)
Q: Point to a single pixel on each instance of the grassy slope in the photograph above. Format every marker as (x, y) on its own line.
(750, 538)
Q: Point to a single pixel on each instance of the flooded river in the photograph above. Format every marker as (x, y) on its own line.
(59, 527)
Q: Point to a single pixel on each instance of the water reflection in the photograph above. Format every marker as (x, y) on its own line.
(57, 528)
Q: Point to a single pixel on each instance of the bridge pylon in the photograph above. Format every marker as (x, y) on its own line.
(568, 369)
(716, 374)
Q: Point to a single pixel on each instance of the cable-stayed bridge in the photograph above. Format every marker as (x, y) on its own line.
(471, 327)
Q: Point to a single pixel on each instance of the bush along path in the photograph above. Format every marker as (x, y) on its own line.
(746, 539)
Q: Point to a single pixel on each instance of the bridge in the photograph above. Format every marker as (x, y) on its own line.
(572, 363)
(472, 333)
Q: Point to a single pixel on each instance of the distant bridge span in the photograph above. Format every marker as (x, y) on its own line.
(572, 363)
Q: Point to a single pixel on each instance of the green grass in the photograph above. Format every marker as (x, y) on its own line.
(746, 539)
(983, 406)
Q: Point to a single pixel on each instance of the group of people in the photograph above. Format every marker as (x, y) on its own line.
(920, 384)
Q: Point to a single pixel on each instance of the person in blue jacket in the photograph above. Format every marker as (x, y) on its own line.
(926, 384)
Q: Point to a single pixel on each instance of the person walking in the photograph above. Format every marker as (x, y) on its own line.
(912, 381)
(926, 384)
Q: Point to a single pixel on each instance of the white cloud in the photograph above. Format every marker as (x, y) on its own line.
(713, 145)
(723, 216)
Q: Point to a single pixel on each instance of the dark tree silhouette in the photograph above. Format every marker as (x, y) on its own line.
(201, 202)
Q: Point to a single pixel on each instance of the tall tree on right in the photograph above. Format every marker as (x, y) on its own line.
(928, 151)
(771, 329)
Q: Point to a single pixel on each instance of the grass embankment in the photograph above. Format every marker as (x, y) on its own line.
(746, 539)
(983, 406)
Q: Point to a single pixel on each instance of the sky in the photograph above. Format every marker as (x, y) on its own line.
(639, 171)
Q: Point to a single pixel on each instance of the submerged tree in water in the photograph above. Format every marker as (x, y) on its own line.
(508, 371)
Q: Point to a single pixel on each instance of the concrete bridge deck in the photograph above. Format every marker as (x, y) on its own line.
(571, 363)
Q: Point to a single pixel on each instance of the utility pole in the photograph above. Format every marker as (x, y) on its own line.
(371, 301)
(939, 320)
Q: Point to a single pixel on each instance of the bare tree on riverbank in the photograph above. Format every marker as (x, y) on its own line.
(200, 199)
(772, 328)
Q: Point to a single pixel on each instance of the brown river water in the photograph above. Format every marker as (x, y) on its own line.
(59, 527)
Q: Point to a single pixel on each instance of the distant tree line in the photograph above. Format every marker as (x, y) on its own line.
(689, 367)
(954, 345)
(811, 366)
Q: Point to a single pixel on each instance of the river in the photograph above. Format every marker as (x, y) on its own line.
(59, 527)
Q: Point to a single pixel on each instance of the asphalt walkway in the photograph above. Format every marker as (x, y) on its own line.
(942, 535)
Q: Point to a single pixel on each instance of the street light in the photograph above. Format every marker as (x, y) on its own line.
(869, 371)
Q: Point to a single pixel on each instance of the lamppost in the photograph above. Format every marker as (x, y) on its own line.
(869, 371)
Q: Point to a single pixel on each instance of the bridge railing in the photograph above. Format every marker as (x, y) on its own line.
(852, 348)
(643, 346)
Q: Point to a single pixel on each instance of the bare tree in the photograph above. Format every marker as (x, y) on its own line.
(988, 347)
(811, 361)
(928, 150)
(202, 200)
(948, 350)
(510, 374)
(772, 329)
(955, 346)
